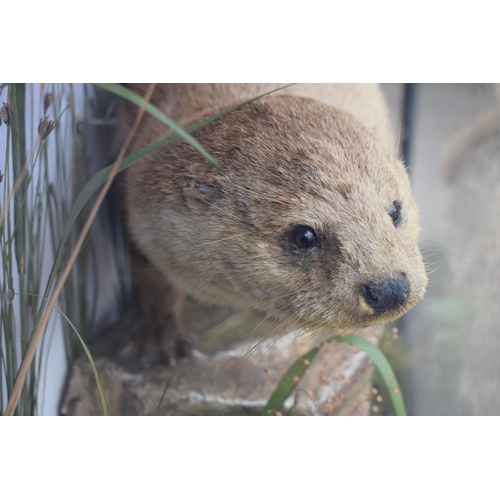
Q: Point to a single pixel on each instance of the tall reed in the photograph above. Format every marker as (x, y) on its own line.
(43, 143)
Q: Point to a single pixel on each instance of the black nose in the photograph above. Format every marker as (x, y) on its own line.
(389, 294)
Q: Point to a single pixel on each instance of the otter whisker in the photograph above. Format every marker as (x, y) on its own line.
(259, 306)
(262, 341)
(215, 242)
(399, 139)
(429, 273)
(274, 341)
(280, 326)
(267, 336)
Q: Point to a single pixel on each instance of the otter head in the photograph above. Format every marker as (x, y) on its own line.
(311, 221)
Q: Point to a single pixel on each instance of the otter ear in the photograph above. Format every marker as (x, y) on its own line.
(199, 194)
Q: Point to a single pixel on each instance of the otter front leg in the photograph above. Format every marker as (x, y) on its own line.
(162, 336)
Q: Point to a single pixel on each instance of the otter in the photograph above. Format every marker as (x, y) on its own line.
(312, 221)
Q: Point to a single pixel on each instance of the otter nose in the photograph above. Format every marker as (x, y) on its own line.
(389, 294)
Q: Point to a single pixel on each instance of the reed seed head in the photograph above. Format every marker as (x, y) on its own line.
(45, 127)
(6, 113)
(48, 98)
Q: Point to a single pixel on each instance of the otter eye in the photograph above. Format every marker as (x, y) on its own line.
(395, 213)
(304, 237)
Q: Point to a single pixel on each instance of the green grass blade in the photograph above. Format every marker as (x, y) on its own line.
(17, 98)
(287, 383)
(124, 92)
(104, 404)
(383, 366)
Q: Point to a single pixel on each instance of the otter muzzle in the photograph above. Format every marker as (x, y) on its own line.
(388, 295)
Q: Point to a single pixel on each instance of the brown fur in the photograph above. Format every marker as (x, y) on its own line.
(316, 155)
